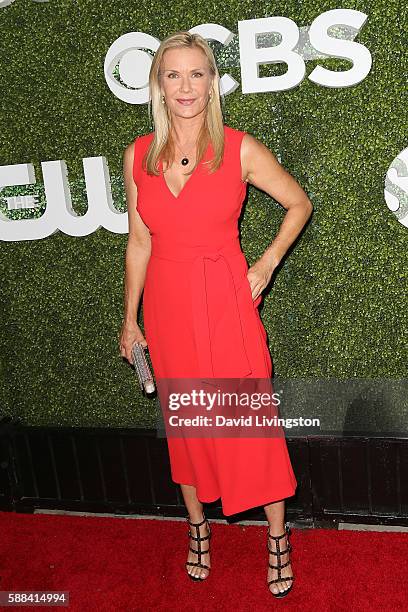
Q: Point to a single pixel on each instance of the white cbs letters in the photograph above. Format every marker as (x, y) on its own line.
(132, 53)
(252, 56)
(358, 54)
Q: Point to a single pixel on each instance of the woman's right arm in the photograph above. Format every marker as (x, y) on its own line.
(137, 256)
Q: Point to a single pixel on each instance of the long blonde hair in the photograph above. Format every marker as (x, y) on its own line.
(162, 145)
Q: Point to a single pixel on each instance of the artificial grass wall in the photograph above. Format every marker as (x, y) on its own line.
(338, 304)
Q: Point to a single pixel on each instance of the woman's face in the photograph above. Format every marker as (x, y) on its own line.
(185, 81)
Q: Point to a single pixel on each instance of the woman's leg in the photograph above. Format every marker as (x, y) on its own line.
(275, 514)
(195, 511)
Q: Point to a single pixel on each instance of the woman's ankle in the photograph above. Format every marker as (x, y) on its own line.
(196, 517)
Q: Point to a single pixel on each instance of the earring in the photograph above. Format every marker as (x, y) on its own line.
(210, 96)
(162, 99)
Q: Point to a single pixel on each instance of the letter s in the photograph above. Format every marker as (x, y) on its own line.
(355, 52)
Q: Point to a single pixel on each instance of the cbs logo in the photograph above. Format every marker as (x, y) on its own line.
(131, 55)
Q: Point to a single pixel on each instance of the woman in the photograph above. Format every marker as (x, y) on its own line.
(185, 185)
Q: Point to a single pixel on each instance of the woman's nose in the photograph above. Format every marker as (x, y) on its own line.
(185, 84)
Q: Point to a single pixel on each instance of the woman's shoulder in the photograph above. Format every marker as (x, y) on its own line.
(235, 136)
(137, 149)
(234, 132)
(139, 142)
(144, 139)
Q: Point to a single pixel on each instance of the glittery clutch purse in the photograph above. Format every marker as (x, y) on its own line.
(142, 368)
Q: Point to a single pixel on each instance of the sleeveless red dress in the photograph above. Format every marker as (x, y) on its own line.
(200, 320)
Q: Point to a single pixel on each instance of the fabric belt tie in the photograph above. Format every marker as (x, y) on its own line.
(236, 363)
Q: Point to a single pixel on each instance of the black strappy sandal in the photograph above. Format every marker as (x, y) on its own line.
(280, 565)
(199, 552)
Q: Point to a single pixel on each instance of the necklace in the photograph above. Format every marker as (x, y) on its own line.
(185, 159)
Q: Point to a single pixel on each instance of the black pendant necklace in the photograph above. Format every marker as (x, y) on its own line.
(185, 159)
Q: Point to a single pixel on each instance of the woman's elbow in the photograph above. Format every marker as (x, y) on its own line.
(308, 206)
(139, 244)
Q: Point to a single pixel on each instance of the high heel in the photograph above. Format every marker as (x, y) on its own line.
(280, 565)
(199, 552)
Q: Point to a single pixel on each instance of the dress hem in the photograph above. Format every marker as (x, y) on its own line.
(262, 502)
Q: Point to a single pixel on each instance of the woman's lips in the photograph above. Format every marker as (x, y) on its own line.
(185, 102)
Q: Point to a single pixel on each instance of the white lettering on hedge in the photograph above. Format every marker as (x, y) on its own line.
(59, 214)
(251, 56)
(358, 54)
(396, 187)
(4, 3)
(131, 55)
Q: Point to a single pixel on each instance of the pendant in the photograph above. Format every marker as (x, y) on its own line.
(184, 161)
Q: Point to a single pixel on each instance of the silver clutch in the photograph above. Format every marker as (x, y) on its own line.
(142, 368)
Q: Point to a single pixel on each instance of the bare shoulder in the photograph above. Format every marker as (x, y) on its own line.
(138, 231)
(252, 146)
(255, 154)
(129, 151)
(128, 159)
(140, 141)
(261, 169)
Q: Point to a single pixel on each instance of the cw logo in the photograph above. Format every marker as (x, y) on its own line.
(4, 3)
(396, 187)
(59, 214)
(131, 54)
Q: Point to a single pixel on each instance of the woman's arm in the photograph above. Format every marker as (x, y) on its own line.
(261, 169)
(137, 256)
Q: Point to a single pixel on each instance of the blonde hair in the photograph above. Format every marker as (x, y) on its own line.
(162, 145)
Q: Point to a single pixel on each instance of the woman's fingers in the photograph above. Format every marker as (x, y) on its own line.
(128, 336)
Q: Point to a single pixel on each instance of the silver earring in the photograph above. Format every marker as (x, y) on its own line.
(162, 99)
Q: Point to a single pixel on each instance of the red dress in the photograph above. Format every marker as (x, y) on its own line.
(200, 320)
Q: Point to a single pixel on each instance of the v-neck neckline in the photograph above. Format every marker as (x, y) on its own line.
(177, 197)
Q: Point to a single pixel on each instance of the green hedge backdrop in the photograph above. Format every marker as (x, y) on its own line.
(338, 305)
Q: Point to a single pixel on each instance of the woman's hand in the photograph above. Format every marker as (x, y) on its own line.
(130, 333)
(259, 276)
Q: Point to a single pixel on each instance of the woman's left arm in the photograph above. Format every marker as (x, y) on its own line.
(261, 169)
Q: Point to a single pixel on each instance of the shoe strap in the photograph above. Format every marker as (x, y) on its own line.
(280, 552)
(279, 567)
(196, 524)
(198, 564)
(281, 580)
(279, 537)
(199, 551)
(199, 539)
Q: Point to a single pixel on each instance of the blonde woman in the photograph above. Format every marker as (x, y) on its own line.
(185, 185)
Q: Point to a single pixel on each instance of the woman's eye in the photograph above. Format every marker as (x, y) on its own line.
(172, 74)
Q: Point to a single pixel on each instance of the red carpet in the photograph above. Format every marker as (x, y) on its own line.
(120, 564)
